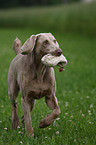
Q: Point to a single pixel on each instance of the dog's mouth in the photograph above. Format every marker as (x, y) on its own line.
(51, 60)
(61, 65)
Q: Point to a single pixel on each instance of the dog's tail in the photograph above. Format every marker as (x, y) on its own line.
(17, 45)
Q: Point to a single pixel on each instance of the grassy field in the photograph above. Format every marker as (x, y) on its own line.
(79, 17)
(75, 92)
(76, 86)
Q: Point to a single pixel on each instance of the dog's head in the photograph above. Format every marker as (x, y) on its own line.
(41, 45)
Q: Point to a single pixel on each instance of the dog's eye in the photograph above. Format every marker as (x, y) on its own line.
(46, 42)
(54, 41)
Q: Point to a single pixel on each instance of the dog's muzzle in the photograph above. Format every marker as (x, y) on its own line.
(58, 52)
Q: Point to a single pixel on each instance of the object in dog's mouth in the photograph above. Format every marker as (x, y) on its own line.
(51, 60)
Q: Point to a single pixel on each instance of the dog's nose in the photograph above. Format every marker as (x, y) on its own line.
(58, 52)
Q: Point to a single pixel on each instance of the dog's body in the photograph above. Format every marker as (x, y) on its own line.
(33, 79)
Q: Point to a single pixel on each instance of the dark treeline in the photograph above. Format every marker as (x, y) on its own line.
(16, 3)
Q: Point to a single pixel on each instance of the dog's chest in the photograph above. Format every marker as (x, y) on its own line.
(39, 90)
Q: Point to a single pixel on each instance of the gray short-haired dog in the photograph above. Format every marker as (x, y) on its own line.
(33, 79)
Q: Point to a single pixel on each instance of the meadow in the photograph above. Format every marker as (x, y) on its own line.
(77, 17)
(76, 86)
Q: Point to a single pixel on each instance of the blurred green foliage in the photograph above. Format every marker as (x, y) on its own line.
(78, 17)
(15, 3)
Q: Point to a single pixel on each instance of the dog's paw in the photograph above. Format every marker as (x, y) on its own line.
(44, 123)
(31, 133)
(23, 122)
(15, 123)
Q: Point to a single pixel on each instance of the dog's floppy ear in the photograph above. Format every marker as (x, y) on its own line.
(29, 45)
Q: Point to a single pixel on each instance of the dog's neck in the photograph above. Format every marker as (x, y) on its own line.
(39, 68)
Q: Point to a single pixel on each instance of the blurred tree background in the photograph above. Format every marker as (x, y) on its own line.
(65, 16)
(16, 3)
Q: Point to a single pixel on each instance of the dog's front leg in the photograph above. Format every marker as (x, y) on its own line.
(27, 117)
(53, 104)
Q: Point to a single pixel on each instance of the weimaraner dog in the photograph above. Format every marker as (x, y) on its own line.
(34, 79)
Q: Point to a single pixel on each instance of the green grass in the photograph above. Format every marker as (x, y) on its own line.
(75, 87)
(79, 17)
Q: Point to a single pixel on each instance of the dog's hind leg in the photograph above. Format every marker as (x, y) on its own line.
(13, 90)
